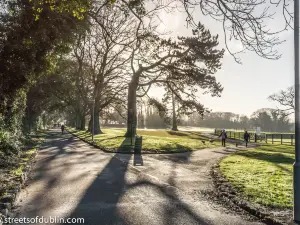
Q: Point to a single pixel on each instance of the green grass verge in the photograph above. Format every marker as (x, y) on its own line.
(12, 167)
(158, 140)
(262, 175)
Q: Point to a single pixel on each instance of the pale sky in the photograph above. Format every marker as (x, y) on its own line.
(246, 86)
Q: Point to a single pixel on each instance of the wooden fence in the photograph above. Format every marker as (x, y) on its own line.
(273, 138)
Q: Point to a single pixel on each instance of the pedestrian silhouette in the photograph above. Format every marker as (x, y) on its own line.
(62, 128)
(223, 135)
(246, 138)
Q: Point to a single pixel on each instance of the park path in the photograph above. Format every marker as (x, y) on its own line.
(72, 179)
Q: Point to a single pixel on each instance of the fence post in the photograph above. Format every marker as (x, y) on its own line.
(255, 138)
(239, 135)
(272, 138)
(266, 137)
(281, 138)
(292, 137)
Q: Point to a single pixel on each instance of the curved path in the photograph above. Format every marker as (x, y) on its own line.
(73, 180)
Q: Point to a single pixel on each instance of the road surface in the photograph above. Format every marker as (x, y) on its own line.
(73, 180)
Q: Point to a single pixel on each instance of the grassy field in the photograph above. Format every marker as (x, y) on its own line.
(262, 175)
(155, 140)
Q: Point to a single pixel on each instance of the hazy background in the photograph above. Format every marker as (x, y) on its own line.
(247, 85)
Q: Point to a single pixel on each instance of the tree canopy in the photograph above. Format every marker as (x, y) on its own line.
(56, 56)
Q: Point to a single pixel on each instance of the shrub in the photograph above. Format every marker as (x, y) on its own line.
(9, 144)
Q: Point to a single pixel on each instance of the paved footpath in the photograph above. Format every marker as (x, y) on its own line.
(73, 180)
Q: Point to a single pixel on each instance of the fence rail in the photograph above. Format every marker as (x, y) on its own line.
(263, 137)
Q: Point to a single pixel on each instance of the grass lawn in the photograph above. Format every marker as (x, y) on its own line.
(159, 140)
(262, 175)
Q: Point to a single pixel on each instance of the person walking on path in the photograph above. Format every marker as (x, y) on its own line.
(246, 138)
(223, 135)
(62, 128)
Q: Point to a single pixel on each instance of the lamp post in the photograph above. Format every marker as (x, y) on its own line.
(93, 119)
(131, 125)
(297, 119)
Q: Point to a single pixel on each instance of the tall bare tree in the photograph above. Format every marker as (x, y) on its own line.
(247, 22)
(105, 49)
(175, 64)
(285, 99)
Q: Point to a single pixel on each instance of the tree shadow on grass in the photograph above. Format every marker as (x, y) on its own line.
(127, 146)
(85, 136)
(198, 134)
(268, 148)
(173, 149)
(277, 159)
(188, 134)
(177, 133)
(110, 138)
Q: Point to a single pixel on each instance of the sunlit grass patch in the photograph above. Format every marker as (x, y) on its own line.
(18, 171)
(158, 140)
(263, 175)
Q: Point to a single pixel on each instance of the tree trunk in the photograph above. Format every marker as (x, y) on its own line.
(90, 124)
(82, 122)
(174, 122)
(97, 128)
(131, 110)
(78, 121)
(97, 124)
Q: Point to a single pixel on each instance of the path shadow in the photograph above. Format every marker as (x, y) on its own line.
(175, 207)
(138, 160)
(180, 208)
(225, 151)
(52, 151)
(99, 203)
(103, 202)
(182, 158)
(138, 145)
